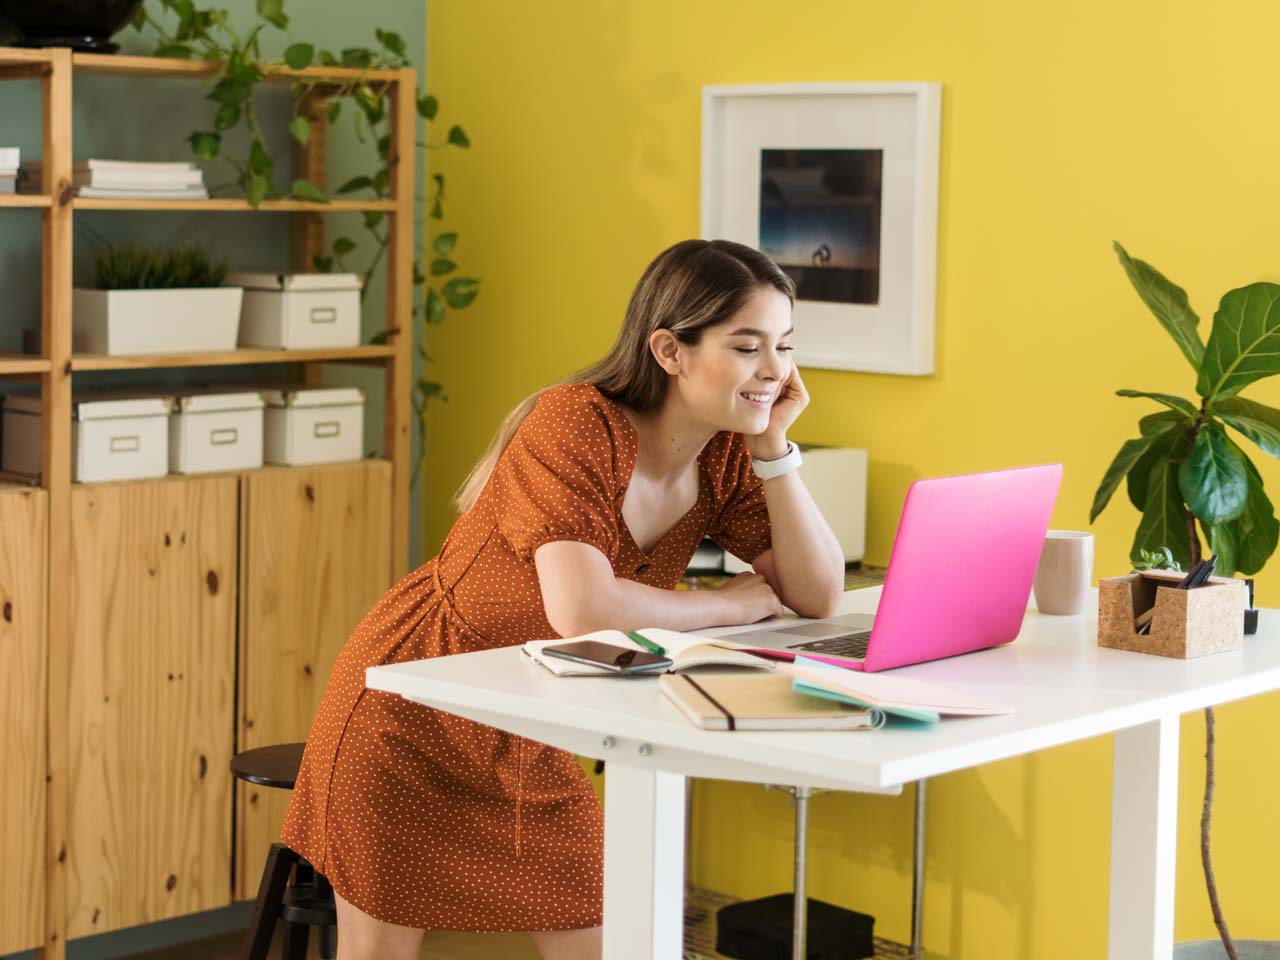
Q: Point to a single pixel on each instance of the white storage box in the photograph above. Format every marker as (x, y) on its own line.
(196, 320)
(210, 432)
(299, 310)
(112, 438)
(314, 425)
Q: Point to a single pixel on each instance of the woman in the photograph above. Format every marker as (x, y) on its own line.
(582, 515)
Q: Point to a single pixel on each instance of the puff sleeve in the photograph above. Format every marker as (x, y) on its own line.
(740, 521)
(557, 480)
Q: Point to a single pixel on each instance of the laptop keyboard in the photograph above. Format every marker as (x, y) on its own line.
(850, 645)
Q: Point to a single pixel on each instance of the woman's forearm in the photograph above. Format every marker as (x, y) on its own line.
(807, 560)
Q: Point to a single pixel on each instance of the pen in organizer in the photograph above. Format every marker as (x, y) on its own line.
(645, 642)
(1196, 578)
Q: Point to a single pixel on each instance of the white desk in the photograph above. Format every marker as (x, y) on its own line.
(1063, 686)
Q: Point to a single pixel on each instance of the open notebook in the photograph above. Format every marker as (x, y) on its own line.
(686, 650)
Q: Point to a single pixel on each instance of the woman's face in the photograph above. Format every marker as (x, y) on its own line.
(735, 373)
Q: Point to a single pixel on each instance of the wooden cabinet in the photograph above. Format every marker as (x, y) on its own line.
(315, 555)
(23, 574)
(151, 700)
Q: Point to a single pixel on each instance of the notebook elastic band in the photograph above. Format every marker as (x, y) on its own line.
(714, 702)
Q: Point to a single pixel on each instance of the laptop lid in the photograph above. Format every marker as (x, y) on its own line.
(963, 564)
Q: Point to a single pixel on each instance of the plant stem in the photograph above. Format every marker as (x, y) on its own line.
(1205, 815)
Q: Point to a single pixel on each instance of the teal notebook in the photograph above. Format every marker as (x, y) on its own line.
(804, 686)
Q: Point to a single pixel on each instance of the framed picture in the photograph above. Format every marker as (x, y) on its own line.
(838, 183)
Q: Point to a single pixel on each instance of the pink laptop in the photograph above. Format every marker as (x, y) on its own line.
(958, 580)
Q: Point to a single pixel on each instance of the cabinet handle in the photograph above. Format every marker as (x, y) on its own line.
(329, 428)
(219, 438)
(324, 314)
(127, 444)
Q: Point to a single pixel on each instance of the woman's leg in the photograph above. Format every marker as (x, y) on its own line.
(584, 944)
(361, 937)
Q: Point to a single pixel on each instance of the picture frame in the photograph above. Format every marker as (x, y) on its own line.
(838, 182)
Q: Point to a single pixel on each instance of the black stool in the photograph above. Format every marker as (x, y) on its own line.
(307, 901)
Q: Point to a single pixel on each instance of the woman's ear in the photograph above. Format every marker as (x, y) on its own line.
(666, 349)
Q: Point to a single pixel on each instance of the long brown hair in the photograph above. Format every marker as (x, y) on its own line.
(687, 288)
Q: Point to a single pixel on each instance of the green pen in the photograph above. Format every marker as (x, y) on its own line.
(645, 642)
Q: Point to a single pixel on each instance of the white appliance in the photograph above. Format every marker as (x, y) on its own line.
(836, 478)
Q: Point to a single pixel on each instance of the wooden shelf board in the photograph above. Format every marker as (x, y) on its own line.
(25, 200)
(232, 205)
(113, 65)
(91, 361)
(21, 363)
(19, 56)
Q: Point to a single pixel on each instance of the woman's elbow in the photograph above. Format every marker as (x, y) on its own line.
(818, 602)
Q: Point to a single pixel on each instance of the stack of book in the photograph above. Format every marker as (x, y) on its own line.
(8, 169)
(124, 179)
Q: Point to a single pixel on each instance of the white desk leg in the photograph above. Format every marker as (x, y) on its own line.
(1144, 815)
(643, 863)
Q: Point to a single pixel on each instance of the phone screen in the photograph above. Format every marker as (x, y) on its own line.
(608, 656)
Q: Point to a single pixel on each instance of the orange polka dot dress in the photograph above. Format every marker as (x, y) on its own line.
(424, 819)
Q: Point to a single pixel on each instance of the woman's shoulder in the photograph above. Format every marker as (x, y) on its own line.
(574, 406)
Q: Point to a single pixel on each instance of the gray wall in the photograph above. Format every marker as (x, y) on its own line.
(133, 119)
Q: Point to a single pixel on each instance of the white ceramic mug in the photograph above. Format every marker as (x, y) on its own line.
(1065, 572)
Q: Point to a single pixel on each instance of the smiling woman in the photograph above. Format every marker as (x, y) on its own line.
(583, 514)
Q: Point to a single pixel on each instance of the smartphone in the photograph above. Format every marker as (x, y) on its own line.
(608, 657)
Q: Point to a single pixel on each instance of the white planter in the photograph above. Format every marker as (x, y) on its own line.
(212, 432)
(116, 322)
(299, 311)
(314, 426)
(112, 438)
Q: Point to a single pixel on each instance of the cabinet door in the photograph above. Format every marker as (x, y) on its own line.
(24, 538)
(315, 556)
(153, 619)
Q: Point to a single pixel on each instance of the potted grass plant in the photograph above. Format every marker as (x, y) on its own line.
(1190, 477)
(156, 301)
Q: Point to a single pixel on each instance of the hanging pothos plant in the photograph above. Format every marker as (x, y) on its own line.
(207, 34)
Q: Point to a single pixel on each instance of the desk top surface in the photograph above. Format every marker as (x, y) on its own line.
(1062, 685)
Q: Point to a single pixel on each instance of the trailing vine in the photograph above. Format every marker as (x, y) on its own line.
(208, 34)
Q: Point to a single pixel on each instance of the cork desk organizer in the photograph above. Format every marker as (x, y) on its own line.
(1187, 623)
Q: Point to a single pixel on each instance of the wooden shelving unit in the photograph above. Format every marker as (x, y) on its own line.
(54, 504)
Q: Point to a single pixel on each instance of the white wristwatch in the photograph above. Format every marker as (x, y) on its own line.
(768, 469)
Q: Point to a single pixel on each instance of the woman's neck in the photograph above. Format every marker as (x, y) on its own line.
(670, 440)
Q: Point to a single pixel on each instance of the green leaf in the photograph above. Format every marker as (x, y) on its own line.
(323, 264)
(1222, 540)
(372, 218)
(1159, 423)
(359, 57)
(306, 190)
(334, 109)
(1257, 529)
(1213, 479)
(272, 11)
(1130, 452)
(435, 307)
(381, 180)
(299, 55)
(230, 90)
(439, 179)
(343, 245)
(354, 184)
(1168, 399)
(139, 18)
(300, 128)
(382, 336)
(441, 266)
(391, 41)
(328, 59)
(1163, 447)
(205, 145)
(460, 292)
(1164, 517)
(228, 116)
(1257, 421)
(1168, 302)
(443, 244)
(1245, 343)
(259, 162)
(457, 137)
(437, 211)
(176, 51)
(427, 107)
(430, 389)
(258, 186)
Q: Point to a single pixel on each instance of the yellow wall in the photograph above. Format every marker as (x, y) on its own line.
(1064, 126)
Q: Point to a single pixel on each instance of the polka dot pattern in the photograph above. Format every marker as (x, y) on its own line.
(424, 819)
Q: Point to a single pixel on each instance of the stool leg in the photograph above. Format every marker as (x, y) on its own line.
(328, 942)
(266, 910)
(295, 941)
(800, 909)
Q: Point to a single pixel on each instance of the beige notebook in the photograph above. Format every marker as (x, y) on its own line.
(728, 701)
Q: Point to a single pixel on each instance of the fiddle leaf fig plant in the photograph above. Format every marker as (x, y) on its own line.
(1185, 471)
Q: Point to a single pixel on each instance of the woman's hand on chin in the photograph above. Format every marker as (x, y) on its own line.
(792, 399)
